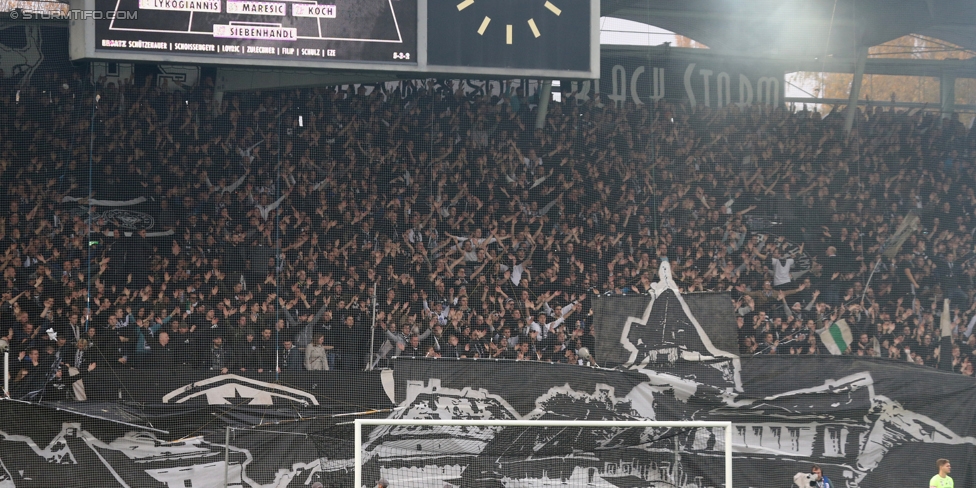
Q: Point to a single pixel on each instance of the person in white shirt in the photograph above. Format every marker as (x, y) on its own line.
(782, 267)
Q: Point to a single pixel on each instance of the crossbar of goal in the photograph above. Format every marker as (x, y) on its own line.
(727, 426)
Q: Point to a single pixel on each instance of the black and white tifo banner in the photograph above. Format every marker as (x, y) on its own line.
(120, 218)
(167, 429)
(867, 422)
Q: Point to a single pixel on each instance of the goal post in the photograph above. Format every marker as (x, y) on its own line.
(404, 434)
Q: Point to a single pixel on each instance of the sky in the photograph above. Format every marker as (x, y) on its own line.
(620, 31)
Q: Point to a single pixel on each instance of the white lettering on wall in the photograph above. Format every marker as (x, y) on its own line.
(651, 82)
(767, 90)
(745, 91)
(633, 85)
(618, 91)
(723, 89)
(706, 74)
(657, 84)
(691, 93)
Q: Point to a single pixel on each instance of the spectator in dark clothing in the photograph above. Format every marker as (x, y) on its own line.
(266, 351)
(451, 349)
(79, 355)
(351, 345)
(290, 357)
(24, 338)
(185, 345)
(164, 356)
(250, 356)
(412, 348)
(219, 359)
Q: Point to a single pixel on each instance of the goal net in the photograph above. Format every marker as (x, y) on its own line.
(538, 453)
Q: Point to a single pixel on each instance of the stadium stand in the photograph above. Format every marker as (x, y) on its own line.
(483, 237)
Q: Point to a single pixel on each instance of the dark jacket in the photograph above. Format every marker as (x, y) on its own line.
(352, 344)
(251, 356)
(163, 358)
(217, 358)
(291, 359)
(185, 347)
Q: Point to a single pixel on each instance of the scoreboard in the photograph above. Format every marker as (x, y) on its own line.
(243, 30)
(519, 38)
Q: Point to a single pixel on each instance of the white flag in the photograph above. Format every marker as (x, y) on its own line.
(836, 337)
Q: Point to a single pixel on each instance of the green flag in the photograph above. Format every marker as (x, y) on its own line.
(837, 337)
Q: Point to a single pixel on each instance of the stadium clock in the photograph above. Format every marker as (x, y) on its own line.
(533, 8)
(531, 35)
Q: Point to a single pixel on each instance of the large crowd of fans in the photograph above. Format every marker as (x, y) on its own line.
(159, 228)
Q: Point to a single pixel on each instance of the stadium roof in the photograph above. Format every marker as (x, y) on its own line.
(801, 28)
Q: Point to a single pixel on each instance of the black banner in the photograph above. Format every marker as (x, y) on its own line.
(865, 422)
(75, 446)
(30, 52)
(311, 390)
(162, 429)
(710, 312)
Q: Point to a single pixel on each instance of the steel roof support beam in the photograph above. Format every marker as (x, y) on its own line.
(947, 93)
(862, 57)
(544, 96)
